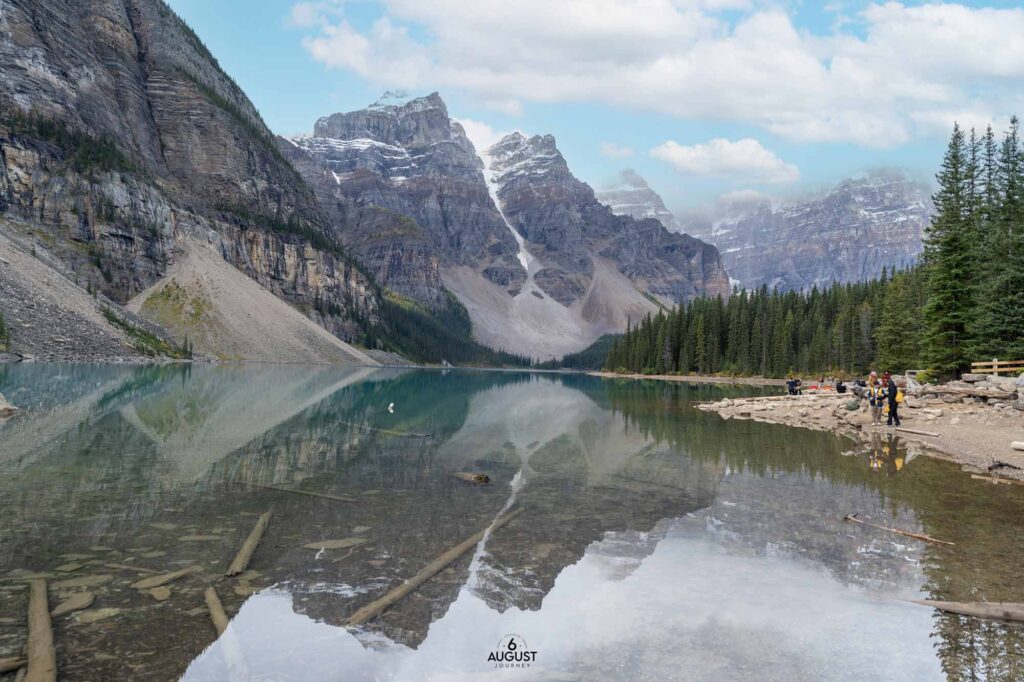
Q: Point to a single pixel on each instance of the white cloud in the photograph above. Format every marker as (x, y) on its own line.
(615, 151)
(480, 134)
(743, 160)
(878, 81)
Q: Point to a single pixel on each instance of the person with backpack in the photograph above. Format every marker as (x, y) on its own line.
(895, 397)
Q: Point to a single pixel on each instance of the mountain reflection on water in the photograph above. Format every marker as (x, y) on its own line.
(656, 541)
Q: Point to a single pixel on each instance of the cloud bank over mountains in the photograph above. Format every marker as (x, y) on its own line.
(878, 78)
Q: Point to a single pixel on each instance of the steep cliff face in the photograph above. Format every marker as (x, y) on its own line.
(849, 234)
(413, 160)
(119, 133)
(631, 195)
(560, 214)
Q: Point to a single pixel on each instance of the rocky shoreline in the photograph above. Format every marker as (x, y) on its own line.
(970, 422)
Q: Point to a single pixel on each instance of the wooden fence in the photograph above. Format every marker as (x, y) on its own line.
(998, 367)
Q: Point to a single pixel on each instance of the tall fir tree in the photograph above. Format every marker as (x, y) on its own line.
(947, 261)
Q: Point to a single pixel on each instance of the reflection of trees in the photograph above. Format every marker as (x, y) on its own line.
(982, 520)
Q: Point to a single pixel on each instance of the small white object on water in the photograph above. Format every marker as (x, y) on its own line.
(318, 554)
(391, 408)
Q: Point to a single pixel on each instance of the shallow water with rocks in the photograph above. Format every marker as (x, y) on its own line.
(656, 541)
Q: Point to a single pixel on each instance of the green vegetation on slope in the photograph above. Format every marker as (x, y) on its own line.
(146, 342)
(592, 357)
(433, 336)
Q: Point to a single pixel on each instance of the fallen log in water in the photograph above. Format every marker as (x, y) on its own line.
(997, 479)
(918, 432)
(11, 664)
(249, 546)
(916, 536)
(217, 615)
(42, 658)
(477, 479)
(280, 489)
(128, 567)
(158, 580)
(1010, 611)
(376, 607)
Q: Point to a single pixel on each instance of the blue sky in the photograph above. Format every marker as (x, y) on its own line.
(702, 97)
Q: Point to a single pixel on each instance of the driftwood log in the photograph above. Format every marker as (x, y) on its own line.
(1017, 445)
(376, 607)
(217, 615)
(476, 479)
(997, 479)
(971, 392)
(916, 536)
(1010, 611)
(42, 658)
(245, 552)
(918, 432)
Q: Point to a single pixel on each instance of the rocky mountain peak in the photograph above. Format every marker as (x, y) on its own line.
(631, 195)
(416, 122)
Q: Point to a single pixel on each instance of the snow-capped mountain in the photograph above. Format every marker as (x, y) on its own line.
(862, 225)
(632, 196)
(542, 267)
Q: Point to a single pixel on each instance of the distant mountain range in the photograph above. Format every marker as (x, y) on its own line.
(849, 233)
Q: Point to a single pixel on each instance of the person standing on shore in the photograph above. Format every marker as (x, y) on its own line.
(893, 394)
(876, 398)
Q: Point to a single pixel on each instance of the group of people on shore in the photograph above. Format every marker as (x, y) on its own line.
(883, 393)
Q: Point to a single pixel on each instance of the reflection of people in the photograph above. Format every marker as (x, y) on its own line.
(893, 395)
(886, 454)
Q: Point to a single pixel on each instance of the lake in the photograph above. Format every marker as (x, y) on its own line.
(652, 541)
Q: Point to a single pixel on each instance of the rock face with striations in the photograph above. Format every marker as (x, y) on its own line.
(119, 133)
(406, 191)
(574, 231)
(541, 266)
(632, 196)
(849, 234)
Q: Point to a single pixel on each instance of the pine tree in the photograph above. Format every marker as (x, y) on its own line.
(1002, 317)
(947, 258)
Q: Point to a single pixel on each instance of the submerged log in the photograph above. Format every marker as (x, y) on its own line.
(997, 479)
(158, 580)
(217, 615)
(241, 560)
(476, 479)
(280, 489)
(1010, 611)
(376, 607)
(916, 536)
(11, 664)
(42, 658)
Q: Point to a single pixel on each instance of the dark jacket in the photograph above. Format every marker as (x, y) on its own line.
(891, 390)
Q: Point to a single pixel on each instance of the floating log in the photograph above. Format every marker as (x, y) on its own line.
(1017, 445)
(42, 658)
(916, 536)
(76, 602)
(376, 607)
(217, 615)
(163, 579)
(249, 546)
(1010, 611)
(10, 664)
(918, 432)
(476, 479)
(997, 479)
(280, 489)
